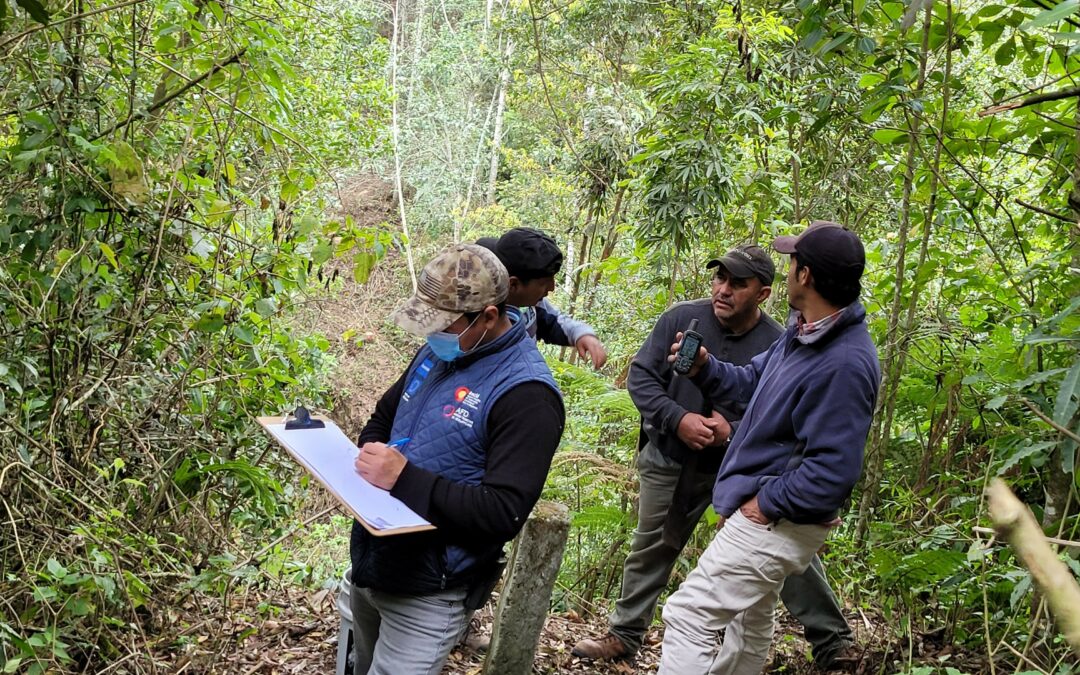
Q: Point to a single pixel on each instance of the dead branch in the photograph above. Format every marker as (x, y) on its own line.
(1015, 522)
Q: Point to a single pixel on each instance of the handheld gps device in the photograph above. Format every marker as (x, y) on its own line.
(688, 349)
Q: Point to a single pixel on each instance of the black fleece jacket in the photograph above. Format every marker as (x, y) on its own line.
(662, 398)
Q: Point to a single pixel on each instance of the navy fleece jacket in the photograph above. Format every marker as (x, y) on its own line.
(800, 445)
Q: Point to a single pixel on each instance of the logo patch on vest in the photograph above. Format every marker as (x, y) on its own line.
(467, 397)
(463, 398)
(422, 372)
(459, 415)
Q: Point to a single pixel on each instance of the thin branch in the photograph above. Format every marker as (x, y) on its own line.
(173, 96)
(1014, 521)
(1029, 101)
(1052, 540)
(1045, 212)
(73, 17)
(1045, 418)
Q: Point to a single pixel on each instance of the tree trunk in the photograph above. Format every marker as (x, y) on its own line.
(1059, 484)
(895, 345)
(395, 138)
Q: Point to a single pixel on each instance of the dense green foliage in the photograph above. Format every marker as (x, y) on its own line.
(164, 181)
(161, 213)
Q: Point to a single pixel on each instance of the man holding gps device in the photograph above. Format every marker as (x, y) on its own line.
(684, 436)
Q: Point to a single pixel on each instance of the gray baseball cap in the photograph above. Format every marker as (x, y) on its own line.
(743, 262)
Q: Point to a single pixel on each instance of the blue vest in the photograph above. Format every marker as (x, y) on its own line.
(443, 411)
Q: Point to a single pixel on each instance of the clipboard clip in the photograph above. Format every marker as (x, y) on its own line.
(302, 420)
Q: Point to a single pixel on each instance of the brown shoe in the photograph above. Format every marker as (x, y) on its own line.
(606, 648)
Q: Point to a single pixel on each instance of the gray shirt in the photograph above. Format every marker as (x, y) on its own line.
(663, 398)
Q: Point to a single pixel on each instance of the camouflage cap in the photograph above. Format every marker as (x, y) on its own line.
(463, 278)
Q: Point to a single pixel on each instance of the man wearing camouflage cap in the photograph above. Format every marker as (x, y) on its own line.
(482, 416)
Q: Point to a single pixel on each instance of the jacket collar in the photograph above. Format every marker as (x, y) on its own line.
(826, 329)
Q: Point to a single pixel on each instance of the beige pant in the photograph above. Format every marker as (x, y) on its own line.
(735, 586)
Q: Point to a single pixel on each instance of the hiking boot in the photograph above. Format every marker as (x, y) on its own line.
(606, 648)
(846, 660)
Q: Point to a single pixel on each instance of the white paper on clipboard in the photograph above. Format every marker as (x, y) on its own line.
(329, 455)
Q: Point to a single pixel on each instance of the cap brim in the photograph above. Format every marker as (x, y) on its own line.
(784, 244)
(422, 319)
(733, 266)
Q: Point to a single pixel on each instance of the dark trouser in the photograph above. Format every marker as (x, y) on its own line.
(647, 569)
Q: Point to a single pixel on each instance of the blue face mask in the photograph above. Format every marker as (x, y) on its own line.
(447, 346)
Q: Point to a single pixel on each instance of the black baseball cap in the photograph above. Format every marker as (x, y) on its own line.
(743, 262)
(830, 250)
(526, 252)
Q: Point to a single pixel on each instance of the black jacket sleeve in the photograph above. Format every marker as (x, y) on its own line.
(380, 423)
(523, 430)
(548, 329)
(649, 377)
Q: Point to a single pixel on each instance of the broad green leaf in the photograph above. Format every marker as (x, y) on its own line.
(210, 323)
(107, 251)
(990, 32)
(835, 42)
(1005, 53)
(1068, 397)
(1068, 455)
(35, 9)
(870, 80)
(165, 44)
(1060, 11)
(1023, 453)
(266, 307)
(243, 334)
(811, 39)
(889, 136)
(362, 265)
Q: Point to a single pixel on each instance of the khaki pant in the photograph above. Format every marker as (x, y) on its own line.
(648, 567)
(735, 586)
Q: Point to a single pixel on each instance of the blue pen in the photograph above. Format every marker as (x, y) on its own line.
(399, 443)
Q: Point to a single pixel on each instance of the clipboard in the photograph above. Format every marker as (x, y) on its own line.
(328, 455)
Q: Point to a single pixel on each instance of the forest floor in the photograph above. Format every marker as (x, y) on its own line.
(283, 631)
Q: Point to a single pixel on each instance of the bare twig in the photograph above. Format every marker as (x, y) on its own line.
(1050, 540)
(265, 549)
(66, 19)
